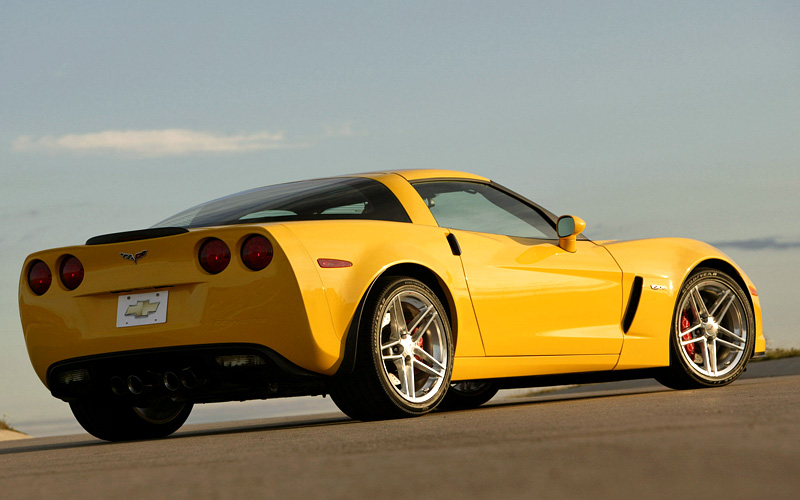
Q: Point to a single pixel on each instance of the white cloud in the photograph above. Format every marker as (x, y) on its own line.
(168, 142)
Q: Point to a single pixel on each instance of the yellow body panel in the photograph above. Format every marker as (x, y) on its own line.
(533, 298)
(518, 307)
(424, 174)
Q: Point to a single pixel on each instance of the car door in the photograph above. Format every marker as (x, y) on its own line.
(530, 296)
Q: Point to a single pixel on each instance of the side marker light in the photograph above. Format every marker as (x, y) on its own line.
(333, 263)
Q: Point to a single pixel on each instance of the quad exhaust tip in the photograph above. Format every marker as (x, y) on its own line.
(135, 385)
(119, 386)
(171, 381)
(189, 378)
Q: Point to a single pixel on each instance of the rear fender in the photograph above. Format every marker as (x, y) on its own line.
(379, 248)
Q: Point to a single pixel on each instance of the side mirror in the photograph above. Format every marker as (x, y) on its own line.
(569, 227)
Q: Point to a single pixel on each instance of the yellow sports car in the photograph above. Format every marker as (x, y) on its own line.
(394, 292)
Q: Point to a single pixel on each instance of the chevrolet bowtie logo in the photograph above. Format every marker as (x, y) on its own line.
(134, 256)
(142, 309)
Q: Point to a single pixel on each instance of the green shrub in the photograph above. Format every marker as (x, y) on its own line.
(782, 353)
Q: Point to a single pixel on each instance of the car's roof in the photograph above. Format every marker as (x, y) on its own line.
(420, 174)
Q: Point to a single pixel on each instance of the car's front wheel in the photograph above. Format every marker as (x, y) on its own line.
(712, 335)
(404, 354)
(115, 421)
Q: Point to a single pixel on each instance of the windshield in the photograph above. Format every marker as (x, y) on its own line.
(320, 199)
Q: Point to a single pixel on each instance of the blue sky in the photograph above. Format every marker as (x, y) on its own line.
(644, 118)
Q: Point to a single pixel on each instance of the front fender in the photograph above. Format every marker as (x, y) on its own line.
(665, 264)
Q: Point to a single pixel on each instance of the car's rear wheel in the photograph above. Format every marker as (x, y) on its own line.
(404, 354)
(468, 394)
(115, 421)
(712, 335)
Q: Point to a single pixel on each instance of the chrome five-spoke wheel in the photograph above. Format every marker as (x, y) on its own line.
(712, 329)
(414, 346)
(713, 332)
(404, 354)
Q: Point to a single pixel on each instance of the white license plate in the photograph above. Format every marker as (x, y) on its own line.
(136, 309)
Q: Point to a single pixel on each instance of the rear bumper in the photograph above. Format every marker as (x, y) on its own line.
(197, 374)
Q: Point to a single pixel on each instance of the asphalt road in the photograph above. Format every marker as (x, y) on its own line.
(629, 440)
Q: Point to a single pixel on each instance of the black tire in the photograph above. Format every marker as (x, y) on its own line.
(402, 368)
(712, 335)
(114, 421)
(467, 394)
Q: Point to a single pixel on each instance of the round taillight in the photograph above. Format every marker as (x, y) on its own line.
(214, 256)
(39, 277)
(71, 272)
(256, 252)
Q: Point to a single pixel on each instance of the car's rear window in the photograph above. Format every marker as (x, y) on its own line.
(321, 199)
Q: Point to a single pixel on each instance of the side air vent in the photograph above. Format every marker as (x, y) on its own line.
(141, 234)
(633, 303)
(454, 246)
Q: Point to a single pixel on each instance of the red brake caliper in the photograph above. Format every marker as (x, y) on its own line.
(419, 343)
(685, 325)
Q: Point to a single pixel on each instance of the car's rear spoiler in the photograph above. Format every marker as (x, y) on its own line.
(141, 234)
